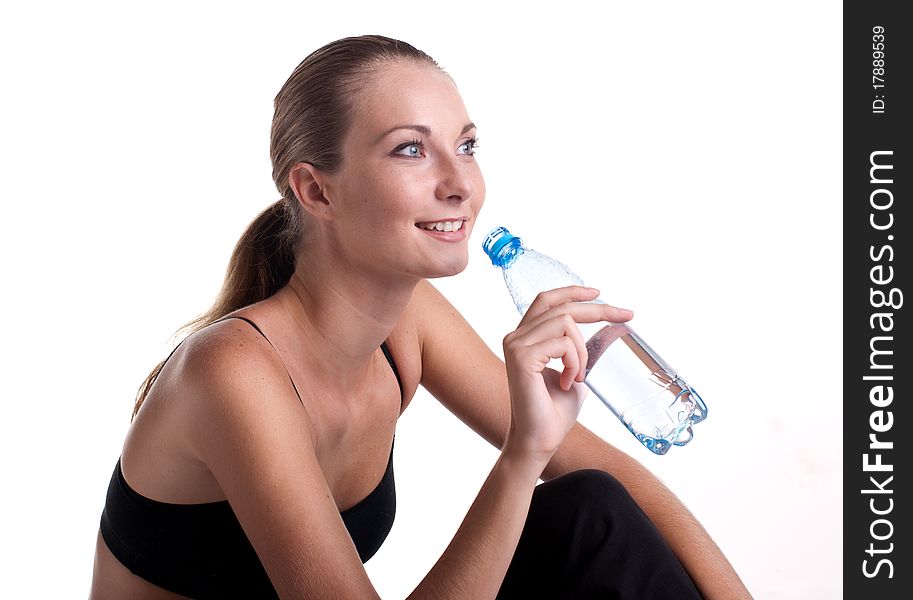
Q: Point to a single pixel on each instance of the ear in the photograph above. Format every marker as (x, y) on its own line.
(309, 185)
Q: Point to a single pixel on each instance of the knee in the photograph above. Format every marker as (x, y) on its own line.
(586, 508)
(596, 485)
(593, 494)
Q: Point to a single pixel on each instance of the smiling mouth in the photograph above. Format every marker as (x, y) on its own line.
(441, 225)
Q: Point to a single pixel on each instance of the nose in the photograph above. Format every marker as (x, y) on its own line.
(455, 178)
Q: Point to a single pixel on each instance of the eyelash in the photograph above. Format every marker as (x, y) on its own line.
(414, 142)
(473, 144)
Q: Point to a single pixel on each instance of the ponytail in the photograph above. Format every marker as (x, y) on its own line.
(262, 262)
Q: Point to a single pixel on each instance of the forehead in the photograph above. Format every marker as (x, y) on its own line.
(405, 92)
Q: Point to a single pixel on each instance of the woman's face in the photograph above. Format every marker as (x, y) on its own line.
(407, 193)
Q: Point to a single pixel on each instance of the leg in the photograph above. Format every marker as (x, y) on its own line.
(585, 537)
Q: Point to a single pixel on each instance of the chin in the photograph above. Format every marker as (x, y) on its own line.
(448, 270)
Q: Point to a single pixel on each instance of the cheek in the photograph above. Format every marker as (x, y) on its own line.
(478, 195)
(478, 181)
(402, 199)
(370, 200)
(389, 196)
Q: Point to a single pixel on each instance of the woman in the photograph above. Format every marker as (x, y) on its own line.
(259, 461)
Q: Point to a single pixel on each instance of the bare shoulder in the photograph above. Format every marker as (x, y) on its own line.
(226, 354)
(429, 298)
(254, 436)
(458, 368)
(222, 382)
(223, 347)
(438, 321)
(230, 372)
(429, 310)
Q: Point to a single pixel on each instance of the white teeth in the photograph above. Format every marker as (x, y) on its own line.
(442, 226)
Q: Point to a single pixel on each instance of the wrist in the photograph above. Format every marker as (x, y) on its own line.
(519, 459)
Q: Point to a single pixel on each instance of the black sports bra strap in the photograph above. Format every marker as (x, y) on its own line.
(252, 324)
(386, 351)
(260, 331)
(383, 347)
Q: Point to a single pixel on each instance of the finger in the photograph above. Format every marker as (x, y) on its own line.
(548, 299)
(573, 367)
(557, 326)
(554, 325)
(615, 314)
(584, 312)
(538, 355)
(580, 390)
(580, 312)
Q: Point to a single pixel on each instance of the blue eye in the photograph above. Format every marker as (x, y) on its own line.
(414, 149)
(469, 146)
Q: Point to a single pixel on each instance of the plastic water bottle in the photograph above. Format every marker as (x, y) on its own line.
(630, 378)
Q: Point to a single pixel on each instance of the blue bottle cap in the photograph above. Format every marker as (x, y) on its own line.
(501, 245)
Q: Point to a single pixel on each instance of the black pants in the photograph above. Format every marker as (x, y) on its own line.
(585, 537)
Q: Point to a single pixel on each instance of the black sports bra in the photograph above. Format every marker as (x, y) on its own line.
(201, 551)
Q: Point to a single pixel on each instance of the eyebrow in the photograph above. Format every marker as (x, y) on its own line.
(422, 129)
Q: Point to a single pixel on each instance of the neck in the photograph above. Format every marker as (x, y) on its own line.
(341, 316)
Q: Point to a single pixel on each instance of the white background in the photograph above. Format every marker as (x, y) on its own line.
(683, 157)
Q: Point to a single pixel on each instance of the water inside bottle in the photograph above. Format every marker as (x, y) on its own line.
(639, 387)
(651, 399)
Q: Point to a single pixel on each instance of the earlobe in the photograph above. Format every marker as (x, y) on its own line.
(307, 183)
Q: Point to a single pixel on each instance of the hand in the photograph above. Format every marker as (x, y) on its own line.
(544, 403)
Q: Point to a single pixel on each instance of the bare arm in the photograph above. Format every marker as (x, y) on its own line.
(257, 440)
(471, 382)
(475, 562)
(543, 407)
